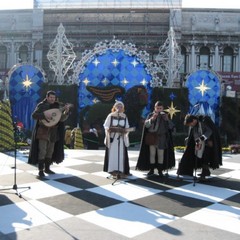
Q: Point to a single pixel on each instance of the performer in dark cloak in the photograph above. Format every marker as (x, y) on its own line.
(203, 147)
(47, 145)
(160, 153)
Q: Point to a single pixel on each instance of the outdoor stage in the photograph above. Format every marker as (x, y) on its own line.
(80, 202)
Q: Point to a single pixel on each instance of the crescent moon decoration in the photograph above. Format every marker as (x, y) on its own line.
(106, 94)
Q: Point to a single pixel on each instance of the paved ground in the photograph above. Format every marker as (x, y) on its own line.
(81, 202)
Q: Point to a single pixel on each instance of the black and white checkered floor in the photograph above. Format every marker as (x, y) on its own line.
(81, 202)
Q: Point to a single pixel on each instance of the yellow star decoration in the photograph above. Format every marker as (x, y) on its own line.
(95, 100)
(86, 81)
(202, 88)
(27, 83)
(171, 110)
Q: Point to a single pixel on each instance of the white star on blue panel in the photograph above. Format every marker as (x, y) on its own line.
(105, 81)
(144, 82)
(124, 82)
(115, 62)
(96, 62)
(134, 62)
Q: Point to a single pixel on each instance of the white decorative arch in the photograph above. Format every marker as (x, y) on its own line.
(116, 45)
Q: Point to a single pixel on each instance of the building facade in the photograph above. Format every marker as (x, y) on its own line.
(209, 38)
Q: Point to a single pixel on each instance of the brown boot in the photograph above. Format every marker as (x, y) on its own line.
(47, 167)
(151, 172)
(40, 168)
(205, 171)
(160, 169)
(41, 174)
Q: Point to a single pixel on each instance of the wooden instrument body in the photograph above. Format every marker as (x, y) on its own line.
(55, 114)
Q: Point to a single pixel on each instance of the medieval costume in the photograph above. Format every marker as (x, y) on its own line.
(116, 161)
(47, 144)
(203, 147)
(163, 149)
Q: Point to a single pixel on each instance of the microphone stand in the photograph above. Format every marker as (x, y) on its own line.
(15, 187)
(196, 165)
(195, 171)
(166, 174)
(119, 136)
(169, 139)
(167, 153)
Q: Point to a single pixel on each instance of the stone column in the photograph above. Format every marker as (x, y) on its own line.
(193, 59)
(12, 54)
(216, 65)
(238, 60)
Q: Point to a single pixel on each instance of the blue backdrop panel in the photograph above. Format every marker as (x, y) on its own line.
(24, 93)
(112, 68)
(204, 93)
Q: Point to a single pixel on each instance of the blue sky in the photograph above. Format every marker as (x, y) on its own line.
(234, 4)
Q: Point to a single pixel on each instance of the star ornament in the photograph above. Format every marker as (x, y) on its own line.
(96, 62)
(171, 110)
(134, 62)
(202, 88)
(144, 82)
(115, 62)
(27, 82)
(86, 81)
(124, 82)
(95, 100)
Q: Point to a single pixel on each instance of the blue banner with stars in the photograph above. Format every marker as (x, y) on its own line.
(24, 93)
(113, 68)
(204, 88)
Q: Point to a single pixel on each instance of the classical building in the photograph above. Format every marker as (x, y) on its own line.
(209, 38)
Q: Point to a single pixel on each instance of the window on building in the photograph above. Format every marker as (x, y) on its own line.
(3, 57)
(204, 58)
(37, 58)
(227, 63)
(23, 54)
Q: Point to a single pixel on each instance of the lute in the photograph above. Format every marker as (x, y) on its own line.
(56, 114)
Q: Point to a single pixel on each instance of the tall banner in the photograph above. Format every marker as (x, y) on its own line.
(24, 92)
(204, 87)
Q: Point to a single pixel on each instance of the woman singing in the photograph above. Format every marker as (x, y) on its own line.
(116, 160)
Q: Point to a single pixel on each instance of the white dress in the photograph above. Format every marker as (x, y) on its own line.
(116, 142)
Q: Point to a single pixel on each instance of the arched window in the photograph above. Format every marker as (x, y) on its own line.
(37, 58)
(227, 63)
(3, 57)
(23, 53)
(204, 58)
